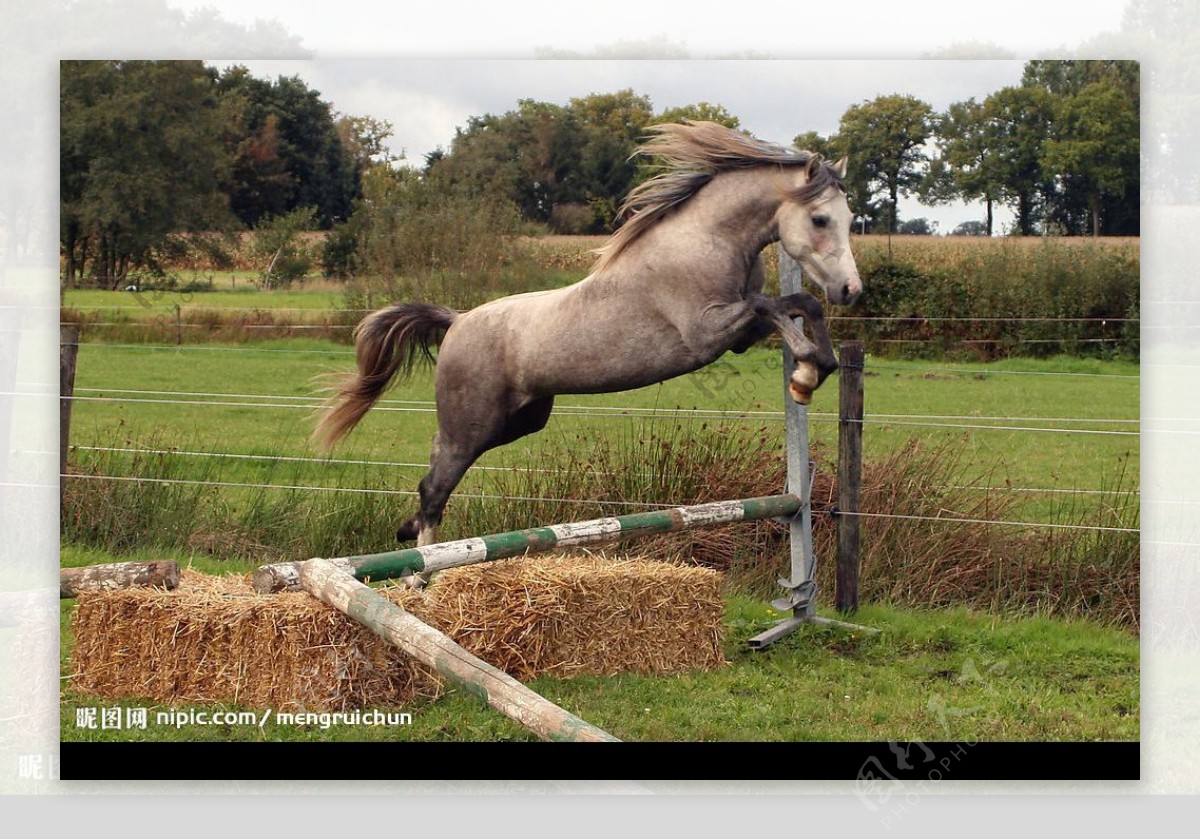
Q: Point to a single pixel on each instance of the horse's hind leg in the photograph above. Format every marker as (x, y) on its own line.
(447, 465)
(454, 450)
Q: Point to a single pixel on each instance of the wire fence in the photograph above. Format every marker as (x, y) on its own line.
(931, 421)
(487, 468)
(310, 403)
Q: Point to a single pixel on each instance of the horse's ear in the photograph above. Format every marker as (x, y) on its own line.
(813, 167)
(840, 168)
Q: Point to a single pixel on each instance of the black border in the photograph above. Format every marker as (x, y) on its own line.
(874, 762)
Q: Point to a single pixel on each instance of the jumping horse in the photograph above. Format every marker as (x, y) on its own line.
(675, 287)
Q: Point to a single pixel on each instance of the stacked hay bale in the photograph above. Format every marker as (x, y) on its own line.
(215, 640)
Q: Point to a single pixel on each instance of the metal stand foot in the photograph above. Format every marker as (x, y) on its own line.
(782, 628)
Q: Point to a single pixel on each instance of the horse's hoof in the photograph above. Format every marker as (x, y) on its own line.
(803, 382)
(407, 532)
(417, 582)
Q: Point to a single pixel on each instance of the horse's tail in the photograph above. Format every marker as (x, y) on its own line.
(388, 342)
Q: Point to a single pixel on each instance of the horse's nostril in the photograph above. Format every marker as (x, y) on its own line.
(846, 292)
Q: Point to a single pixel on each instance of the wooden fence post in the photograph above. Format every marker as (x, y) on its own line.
(850, 424)
(68, 350)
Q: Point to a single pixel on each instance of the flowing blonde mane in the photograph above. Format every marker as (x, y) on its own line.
(694, 153)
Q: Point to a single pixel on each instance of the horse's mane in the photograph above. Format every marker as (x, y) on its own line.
(693, 154)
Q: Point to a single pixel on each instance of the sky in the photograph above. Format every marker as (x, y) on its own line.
(425, 100)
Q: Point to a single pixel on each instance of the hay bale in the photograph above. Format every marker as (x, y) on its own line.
(581, 614)
(215, 640)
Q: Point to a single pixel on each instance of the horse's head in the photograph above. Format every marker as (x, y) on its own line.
(814, 227)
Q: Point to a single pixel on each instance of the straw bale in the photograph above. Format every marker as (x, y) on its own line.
(214, 639)
(585, 614)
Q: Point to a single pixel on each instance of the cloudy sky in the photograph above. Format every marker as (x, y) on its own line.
(368, 57)
(426, 100)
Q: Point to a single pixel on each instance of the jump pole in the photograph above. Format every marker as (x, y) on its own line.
(329, 583)
(800, 588)
(281, 577)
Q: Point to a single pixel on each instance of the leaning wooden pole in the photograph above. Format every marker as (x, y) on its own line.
(850, 429)
(330, 583)
(279, 577)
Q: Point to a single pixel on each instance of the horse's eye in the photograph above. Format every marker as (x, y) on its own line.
(820, 221)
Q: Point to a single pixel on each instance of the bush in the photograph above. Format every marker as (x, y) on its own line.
(280, 250)
(988, 299)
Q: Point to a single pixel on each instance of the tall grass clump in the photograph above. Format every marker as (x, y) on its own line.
(909, 558)
(120, 501)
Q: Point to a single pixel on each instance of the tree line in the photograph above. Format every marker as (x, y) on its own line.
(157, 156)
(162, 159)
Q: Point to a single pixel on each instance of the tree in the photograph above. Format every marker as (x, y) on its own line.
(699, 112)
(287, 150)
(970, 228)
(142, 166)
(279, 248)
(811, 141)
(969, 134)
(1022, 118)
(1076, 201)
(612, 125)
(885, 142)
(917, 227)
(565, 166)
(1095, 146)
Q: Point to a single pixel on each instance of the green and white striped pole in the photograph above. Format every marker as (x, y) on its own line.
(432, 558)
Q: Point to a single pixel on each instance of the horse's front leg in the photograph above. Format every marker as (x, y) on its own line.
(814, 359)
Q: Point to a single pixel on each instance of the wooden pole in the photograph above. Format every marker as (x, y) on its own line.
(279, 577)
(68, 351)
(329, 583)
(850, 425)
(108, 576)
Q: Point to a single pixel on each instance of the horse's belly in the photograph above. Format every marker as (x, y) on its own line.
(566, 342)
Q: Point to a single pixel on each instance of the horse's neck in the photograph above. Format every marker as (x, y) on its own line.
(722, 228)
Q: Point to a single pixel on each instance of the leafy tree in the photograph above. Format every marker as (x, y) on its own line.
(1022, 118)
(562, 165)
(917, 227)
(885, 142)
(287, 150)
(1096, 146)
(278, 246)
(969, 135)
(971, 228)
(141, 164)
(1077, 200)
(612, 125)
(409, 224)
(699, 112)
(811, 141)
